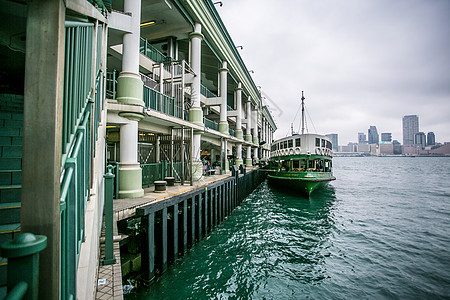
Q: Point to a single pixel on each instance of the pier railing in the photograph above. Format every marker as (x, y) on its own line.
(157, 171)
(151, 52)
(83, 98)
(160, 102)
(210, 124)
(207, 93)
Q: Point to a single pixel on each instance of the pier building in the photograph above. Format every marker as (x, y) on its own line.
(155, 88)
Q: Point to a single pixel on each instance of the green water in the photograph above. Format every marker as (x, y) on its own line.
(380, 231)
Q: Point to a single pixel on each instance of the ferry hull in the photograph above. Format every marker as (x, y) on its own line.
(304, 185)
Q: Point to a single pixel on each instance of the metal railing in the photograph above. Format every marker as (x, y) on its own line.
(80, 122)
(157, 171)
(151, 52)
(111, 84)
(73, 200)
(207, 93)
(160, 102)
(77, 78)
(210, 124)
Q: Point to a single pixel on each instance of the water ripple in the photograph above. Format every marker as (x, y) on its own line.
(379, 231)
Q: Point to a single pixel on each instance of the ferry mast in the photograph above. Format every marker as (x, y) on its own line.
(303, 114)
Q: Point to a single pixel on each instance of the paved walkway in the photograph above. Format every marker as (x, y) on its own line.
(109, 283)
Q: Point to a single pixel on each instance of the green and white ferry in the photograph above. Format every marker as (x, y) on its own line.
(302, 161)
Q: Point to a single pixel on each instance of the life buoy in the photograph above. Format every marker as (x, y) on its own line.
(317, 151)
(298, 150)
(291, 151)
(322, 152)
(286, 151)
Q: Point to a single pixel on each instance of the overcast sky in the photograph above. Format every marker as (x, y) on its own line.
(360, 63)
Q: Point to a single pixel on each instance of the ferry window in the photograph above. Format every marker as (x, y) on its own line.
(303, 164)
(323, 143)
(317, 142)
(285, 144)
(329, 145)
(290, 143)
(295, 164)
(311, 162)
(297, 142)
(278, 146)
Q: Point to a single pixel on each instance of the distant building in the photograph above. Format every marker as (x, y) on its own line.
(386, 137)
(351, 147)
(362, 139)
(398, 148)
(420, 140)
(334, 141)
(373, 135)
(386, 148)
(442, 150)
(431, 139)
(364, 148)
(410, 128)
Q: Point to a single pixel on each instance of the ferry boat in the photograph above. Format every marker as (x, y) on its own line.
(302, 161)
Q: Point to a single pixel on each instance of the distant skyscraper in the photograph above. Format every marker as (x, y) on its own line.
(431, 139)
(386, 137)
(362, 139)
(410, 128)
(420, 139)
(373, 135)
(334, 141)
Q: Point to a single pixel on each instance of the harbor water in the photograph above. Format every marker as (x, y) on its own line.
(380, 231)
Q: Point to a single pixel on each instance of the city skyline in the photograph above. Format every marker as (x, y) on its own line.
(360, 63)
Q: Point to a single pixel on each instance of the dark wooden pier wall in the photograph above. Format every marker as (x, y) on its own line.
(174, 225)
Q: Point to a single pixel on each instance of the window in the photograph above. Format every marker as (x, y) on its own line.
(278, 146)
(290, 143)
(317, 142)
(323, 143)
(297, 142)
(285, 144)
(295, 164)
(329, 145)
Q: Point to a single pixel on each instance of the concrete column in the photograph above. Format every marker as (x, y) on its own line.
(238, 132)
(129, 83)
(248, 159)
(223, 124)
(130, 173)
(41, 160)
(255, 134)
(195, 113)
(213, 155)
(248, 134)
(157, 149)
(239, 160)
(255, 126)
(224, 164)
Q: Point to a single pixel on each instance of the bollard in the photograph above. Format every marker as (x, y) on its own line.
(23, 264)
(109, 188)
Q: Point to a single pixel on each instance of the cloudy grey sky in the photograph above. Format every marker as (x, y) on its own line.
(360, 63)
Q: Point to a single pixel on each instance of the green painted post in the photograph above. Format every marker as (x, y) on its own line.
(23, 263)
(109, 188)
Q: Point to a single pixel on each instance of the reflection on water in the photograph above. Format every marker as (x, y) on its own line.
(379, 231)
(269, 245)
